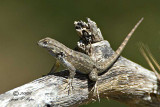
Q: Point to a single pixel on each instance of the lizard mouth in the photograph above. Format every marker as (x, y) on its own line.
(42, 43)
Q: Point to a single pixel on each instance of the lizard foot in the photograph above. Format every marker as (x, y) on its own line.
(69, 86)
(95, 91)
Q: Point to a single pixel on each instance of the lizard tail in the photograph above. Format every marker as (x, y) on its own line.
(117, 53)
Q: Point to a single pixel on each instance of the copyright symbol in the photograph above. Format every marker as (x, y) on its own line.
(15, 93)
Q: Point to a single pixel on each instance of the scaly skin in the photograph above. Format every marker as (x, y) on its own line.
(69, 58)
(74, 60)
(117, 53)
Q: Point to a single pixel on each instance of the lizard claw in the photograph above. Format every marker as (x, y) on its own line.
(95, 91)
(69, 85)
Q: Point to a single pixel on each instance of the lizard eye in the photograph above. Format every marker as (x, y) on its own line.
(45, 42)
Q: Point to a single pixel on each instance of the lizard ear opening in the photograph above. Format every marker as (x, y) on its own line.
(61, 54)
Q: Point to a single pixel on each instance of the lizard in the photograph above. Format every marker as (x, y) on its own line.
(88, 33)
(77, 61)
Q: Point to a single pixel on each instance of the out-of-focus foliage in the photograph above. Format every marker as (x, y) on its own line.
(24, 22)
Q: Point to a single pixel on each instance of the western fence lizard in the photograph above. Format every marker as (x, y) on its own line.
(88, 33)
(91, 34)
(110, 60)
(81, 62)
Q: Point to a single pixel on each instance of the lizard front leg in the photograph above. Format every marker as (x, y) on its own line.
(94, 77)
(72, 72)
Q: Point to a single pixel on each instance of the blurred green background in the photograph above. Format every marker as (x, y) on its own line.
(24, 22)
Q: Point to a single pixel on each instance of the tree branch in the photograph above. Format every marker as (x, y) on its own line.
(125, 81)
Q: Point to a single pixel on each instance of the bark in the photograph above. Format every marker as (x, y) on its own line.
(125, 81)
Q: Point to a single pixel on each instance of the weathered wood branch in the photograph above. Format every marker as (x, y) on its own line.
(125, 81)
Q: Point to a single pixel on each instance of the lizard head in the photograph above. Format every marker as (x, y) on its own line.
(53, 46)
